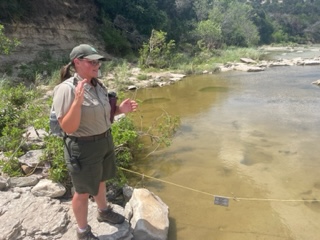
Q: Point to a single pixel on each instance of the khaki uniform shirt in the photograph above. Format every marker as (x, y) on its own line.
(95, 109)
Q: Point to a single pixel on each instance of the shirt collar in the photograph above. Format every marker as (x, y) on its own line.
(86, 86)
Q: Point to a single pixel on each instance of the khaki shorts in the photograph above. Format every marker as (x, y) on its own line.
(97, 163)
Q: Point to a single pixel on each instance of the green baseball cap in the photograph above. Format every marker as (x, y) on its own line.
(85, 51)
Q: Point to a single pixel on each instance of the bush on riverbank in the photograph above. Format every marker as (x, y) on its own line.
(210, 60)
(24, 106)
(19, 108)
(161, 53)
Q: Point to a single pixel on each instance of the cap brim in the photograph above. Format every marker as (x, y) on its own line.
(95, 57)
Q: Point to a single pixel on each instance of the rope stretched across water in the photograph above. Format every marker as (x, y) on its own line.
(225, 197)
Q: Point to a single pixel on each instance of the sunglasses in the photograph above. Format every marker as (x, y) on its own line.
(92, 62)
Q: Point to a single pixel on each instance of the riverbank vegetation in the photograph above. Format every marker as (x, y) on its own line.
(25, 107)
(176, 35)
(125, 26)
(183, 35)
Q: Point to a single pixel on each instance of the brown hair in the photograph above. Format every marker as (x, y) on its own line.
(65, 71)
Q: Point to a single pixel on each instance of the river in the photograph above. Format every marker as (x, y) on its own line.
(251, 138)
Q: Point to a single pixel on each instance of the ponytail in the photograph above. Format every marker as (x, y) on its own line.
(65, 72)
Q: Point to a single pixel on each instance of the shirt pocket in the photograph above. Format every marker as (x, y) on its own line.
(103, 96)
(90, 100)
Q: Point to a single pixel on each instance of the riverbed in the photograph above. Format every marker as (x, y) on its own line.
(251, 138)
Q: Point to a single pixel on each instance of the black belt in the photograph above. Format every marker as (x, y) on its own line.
(90, 138)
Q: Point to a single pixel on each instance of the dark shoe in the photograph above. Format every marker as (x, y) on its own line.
(110, 216)
(87, 235)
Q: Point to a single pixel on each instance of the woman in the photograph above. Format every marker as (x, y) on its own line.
(83, 111)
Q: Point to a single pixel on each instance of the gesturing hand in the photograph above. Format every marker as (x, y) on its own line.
(128, 105)
(79, 91)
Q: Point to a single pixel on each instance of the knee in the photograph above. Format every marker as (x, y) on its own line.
(81, 196)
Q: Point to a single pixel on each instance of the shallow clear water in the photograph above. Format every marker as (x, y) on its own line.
(244, 135)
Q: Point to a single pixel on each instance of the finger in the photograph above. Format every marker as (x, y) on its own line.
(134, 107)
(126, 101)
(134, 104)
(85, 81)
(80, 85)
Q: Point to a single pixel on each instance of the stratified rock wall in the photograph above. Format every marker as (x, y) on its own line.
(56, 26)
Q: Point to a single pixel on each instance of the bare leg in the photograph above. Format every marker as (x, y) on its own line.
(101, 198)
(80, 209)
(104, 214)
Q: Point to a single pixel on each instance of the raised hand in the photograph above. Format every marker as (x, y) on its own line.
(79, 92)
(128, 105)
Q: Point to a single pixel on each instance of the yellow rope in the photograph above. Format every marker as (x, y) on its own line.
(213, 195)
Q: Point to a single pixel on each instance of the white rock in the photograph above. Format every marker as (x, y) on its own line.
(150, 216)
(48, 188)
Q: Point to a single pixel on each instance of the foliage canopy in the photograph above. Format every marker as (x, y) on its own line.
(126, 25)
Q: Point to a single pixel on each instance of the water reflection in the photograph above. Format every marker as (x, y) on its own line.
(213, 89)
(185, 98)
(252, 135)
(155, 100)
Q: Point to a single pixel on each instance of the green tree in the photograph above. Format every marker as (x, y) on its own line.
(115, 40)
(178, 15)
(313, 32)
(209, 32)
(237, 26)
(202, 9)
(292, 19)
(6, 44)
(15, 10)
(157, 52)
(264, 24)
(143, 13)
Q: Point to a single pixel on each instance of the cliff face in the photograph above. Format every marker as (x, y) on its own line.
(55, 26)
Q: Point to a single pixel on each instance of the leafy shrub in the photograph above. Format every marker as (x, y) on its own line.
(125, 139)
(114, 40)
(157, 52)
(12, 167)
(143, 77)
(15, 102)
(54, 155)
(14, 118)
(6, 44)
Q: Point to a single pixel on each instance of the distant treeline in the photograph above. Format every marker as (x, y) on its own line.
(206, 24)
(216, 23)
